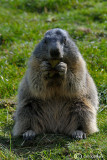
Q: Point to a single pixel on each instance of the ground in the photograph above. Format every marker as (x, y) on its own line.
(22, 25)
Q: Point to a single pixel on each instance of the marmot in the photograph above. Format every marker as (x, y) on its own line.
(57, 94)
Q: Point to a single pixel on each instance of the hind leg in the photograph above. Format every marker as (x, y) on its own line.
(75, 128)
(82, 121)
(27, 122)
(22, 121)
(86, 125)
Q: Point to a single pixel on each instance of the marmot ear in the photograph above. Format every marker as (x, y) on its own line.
(47, 32)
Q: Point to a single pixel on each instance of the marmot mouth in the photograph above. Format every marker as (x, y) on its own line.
(54, 62)
(60, 59)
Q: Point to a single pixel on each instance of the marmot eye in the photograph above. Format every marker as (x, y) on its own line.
(64, 40)
(45, 41)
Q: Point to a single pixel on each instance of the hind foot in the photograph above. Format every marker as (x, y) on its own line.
(29, 135)
(78, 134)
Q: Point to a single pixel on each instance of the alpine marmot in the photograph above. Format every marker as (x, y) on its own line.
(57, 94)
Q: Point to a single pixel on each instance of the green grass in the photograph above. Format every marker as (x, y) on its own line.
(22, 25)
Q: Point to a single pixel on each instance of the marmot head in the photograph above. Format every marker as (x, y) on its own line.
(56, 44)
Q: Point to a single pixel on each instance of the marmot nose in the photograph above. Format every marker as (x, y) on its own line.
(55, 53)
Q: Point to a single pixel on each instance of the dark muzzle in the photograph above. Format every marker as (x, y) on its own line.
(55, 53)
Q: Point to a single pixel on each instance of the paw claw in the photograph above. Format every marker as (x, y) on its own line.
(78, 135)
(29, 135)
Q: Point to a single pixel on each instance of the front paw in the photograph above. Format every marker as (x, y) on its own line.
(29, 135)
(78, 135)
(45, 68)
(61, 68)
